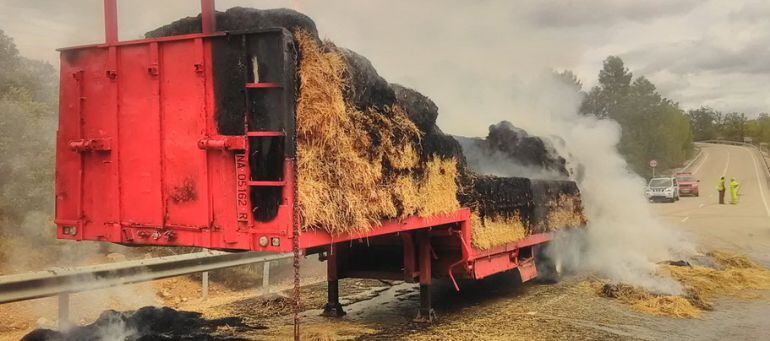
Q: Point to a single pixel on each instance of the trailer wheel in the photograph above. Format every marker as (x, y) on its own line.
(547, 271)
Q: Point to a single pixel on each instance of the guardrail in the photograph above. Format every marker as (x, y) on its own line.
(735, 143)
(65, 281)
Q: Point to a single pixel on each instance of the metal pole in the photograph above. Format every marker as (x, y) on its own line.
(205, 285)
(266, 277)
(111, 21)
(425, 313)
(333, 308)
(64, 311)
(208, 16)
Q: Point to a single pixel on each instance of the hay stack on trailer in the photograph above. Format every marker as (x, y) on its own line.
(369, 150)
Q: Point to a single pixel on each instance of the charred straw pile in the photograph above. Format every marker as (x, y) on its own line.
(719, 274)
(148, 323)
(369, 150)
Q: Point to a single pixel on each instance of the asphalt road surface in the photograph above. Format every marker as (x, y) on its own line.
(744, 227)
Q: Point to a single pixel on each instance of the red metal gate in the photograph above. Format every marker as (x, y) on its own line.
(142, 155)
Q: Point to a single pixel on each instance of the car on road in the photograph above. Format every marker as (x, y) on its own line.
(688, 184)
(662, 189)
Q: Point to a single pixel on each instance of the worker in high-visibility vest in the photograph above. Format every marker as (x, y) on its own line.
(721, 190)
(734, 191)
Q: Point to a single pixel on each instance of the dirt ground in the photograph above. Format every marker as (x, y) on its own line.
(493, 309)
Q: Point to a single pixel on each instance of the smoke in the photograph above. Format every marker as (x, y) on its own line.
(498, 164)
(624, 240)
(509, 151)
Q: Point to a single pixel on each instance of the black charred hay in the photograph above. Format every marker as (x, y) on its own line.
(372, 109)
(511, 151)
(145, 324)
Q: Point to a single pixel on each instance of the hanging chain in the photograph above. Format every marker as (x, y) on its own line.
(296, 216)
(295, 247)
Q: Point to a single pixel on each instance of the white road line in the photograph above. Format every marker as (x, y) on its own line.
(685, 219)
(727, 164)
(760, 183)
(703, 161)
(692, 161)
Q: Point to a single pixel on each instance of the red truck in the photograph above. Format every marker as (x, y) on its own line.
(143, 159)
(688, 185)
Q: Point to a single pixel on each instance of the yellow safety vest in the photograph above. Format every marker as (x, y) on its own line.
(721, 185)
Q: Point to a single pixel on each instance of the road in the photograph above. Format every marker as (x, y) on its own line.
(744, 227)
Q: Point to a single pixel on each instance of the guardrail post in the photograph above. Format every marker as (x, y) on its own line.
(266, 277)
(64, 311)
(205, 285)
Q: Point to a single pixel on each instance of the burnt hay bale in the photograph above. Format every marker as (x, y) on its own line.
(240, 19)
(492, 196)
(435, 143)
(419, 108)
(541, 205)
(524, 149)
(366, 89)
(557, 205)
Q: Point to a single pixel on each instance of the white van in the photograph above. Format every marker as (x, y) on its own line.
(665, 189)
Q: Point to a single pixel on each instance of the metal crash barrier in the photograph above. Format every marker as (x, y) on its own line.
(64, 281)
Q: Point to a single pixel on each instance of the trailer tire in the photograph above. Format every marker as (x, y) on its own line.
(547, 271)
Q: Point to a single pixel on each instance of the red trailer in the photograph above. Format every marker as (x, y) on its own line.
(144, 157)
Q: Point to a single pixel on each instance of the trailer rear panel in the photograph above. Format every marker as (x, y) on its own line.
(155, 146)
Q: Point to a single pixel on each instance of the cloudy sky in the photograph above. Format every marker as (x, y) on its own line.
(480, 57)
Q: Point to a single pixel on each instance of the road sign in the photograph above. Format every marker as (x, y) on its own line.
(653, 163)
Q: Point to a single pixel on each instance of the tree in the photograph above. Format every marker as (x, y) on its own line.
(734, 126)
(570, 79)
(614, 77)
(705, 123)
(27, 135)
(605, 98)
(653, 127)
(759, 128)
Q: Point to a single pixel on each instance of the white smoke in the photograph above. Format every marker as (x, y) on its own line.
(624, 240)
(115, 328)
(497, 163)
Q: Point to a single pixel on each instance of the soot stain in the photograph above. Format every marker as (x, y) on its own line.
(184, 192)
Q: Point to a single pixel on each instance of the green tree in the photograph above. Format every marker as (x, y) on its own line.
(27, 138)
(734, 126)
(653, 127)
(759, 129)
(705, 123)
(605, 99)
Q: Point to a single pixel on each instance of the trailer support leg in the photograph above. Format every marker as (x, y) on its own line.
(425, 313)
(333, 308)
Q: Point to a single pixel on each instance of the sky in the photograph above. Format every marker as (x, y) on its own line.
(479, 59)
